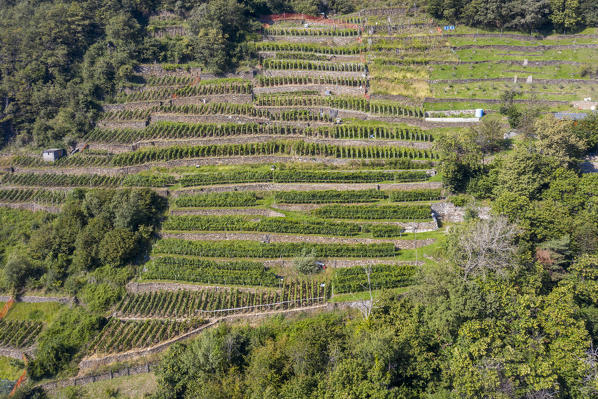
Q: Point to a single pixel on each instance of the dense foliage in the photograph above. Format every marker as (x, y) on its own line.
(525, 15)
(256, 249)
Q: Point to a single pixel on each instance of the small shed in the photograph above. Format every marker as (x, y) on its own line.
(53, 154)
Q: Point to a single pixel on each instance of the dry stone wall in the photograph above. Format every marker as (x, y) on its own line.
(322, 89)
(324, 40)
(273, 237)
(306, 187)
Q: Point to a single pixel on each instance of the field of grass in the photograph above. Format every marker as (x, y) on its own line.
(493, 90)
(501, 70)
(10, 369)
(44, 312)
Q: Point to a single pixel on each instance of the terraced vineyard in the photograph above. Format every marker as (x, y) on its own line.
(323, 155)
(213, 303)
(19, 334)
(121, 336)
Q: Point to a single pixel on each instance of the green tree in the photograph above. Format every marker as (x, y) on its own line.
(18, 270)
(524, 172)
(557, 139)
(565, 14)
(118, 246)
(461, 159)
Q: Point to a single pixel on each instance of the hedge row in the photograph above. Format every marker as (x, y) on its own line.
(308, 48)
(266, 224)
(215, 109)
(331, 196)
(45, 197)
(310, 32)
(301, 176)
(298, 148)
(269, 81)
(210, 272)
(148, 180)
(402, 212)
(166, 92)
(354, 279)
(344, 102)
(175, 130)
(328, 196)
(416, 195)
(60, 180)
(168, 80)
(256, 249)
(126, 115)
(278, 64)
(227, 199)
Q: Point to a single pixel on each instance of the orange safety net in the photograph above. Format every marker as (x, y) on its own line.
(6, 308)
(19, 382)
(22, 378)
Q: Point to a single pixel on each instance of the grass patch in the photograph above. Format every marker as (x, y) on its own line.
(44, 312)
(363, 296)
(133, 387)
(10, 369)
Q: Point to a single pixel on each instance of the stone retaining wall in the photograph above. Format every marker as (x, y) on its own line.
(122, 124)
(398, 98)
(306, 187)
(15, 353)
(169, 31)
(132, 105)
(157, 70)
(274, 237)
(453, 120)
(227, 211)
(141, 288)
(342, 263)
(330, 57)
(192, 118)
(448, 212)
(320, 88)
(324, 40)
(31, 206)
(203, 99)
(293, 72)
(88, 379)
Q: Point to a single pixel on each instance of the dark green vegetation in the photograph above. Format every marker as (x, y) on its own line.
(523, 15)
(90, 249)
